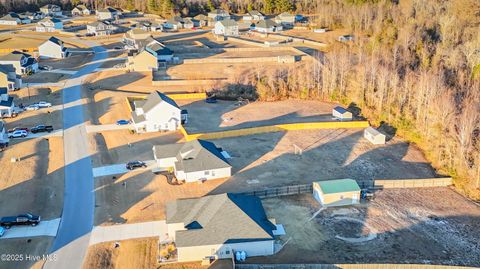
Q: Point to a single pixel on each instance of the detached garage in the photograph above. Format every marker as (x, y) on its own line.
(337, 192)
(374, 136)
(341, 113)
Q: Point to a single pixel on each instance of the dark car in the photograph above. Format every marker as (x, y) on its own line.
(211, 100)
(41, 129)
(135, 164)
(23, 219)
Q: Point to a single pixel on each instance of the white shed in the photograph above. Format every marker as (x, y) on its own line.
(374, 136)
(341, 113)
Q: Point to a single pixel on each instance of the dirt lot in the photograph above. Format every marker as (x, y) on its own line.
(267, 160)
(74, 62)
(227, 115)
(139, 253)
(434, 225)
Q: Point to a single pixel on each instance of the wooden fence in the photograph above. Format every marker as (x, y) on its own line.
(413, 183)
(347, 266)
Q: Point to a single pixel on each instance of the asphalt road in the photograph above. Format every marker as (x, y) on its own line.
(72, 240)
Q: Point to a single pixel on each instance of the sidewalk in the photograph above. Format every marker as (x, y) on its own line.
(44, 228)
(129, 231)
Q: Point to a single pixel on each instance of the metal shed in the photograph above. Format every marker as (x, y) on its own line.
(374, 136)
(338, 192)
(341, 113)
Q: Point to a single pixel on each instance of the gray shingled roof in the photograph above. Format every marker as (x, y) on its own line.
(7, 68)
(266, 24)
(228, 23)
(219, 219)
(155, 98)
(192, 156)
(13, 56)
(7, 103)
(56, 41)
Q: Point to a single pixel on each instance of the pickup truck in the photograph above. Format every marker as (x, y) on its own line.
(41, 129)
(23, 219)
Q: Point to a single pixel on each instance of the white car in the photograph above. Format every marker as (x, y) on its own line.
(32, 107)
(43, 104)
(17, 134)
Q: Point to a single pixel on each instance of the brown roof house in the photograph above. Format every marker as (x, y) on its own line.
(218, 226)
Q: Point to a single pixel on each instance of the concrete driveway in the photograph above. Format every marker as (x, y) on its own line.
(117, 169)
(107, 127)
(58, 132)
(129, 231)
(44, 228)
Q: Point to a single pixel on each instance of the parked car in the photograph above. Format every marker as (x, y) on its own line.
(45, 67)
(135, 164)
(2, 231)
(211, 100)
(41, 129)
(17, 129)
(17, 134)
(32, 107)
(23, 219)
(123, 122)
(43, 104)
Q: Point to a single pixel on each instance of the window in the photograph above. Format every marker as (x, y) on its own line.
(207, 173)
(227, 252)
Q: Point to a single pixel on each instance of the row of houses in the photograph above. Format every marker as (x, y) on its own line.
(12, 18)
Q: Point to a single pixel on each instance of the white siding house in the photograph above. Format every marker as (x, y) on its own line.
(49, 25)
(13, 18)
(218, 226)
(24, 63)
(193, 161)
(226, 28)
(53, 48)
(51, 10)
(218, 15)
(81, 10)
(157, 113)
(268, 26)
(8, 78)
(108, 13)
(100, 28)
(7, 105)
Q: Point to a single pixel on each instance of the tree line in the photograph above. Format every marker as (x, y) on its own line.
(414, 66)
(168, 8)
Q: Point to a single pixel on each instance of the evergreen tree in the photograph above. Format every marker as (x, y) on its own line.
(283, 6)
(168, 8)
(269, 6)
(210, 5)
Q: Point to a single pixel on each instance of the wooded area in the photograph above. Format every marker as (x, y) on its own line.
(414, 68)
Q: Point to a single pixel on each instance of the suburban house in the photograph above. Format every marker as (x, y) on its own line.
(218, 226)
(37, 15)
(156, 113)
(3, 133)
(8, 78)
(268, 26)
(160, 51)
(337, 192)
(226, 27)
(341, 113)
(51, 10)
(81, 10)
(253, 15)
(151, 26)
(24, 63)
(374, 136)
(53, 48)
(49, 25)
(201, 19)
(142, 61)
(108, 13)
(188, 23)
(100, 28)
(218, 15)
(13, 18)
(6, 104)
(193, 161)
(135, 38)
(285, 19)
(174, 23)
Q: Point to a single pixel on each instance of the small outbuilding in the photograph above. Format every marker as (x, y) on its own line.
(337, 192)
(374, 136)
(341, 113)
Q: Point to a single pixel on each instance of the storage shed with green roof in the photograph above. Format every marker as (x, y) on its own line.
(338, 192)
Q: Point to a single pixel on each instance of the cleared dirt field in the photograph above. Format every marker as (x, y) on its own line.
(139, 253)
(73, 62)
(267, 160)
(227, 115)
(431, 226)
